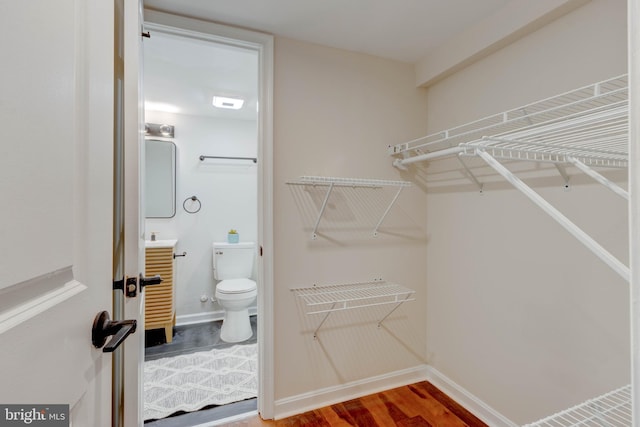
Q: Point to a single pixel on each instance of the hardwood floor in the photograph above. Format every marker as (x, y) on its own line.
(416, 405)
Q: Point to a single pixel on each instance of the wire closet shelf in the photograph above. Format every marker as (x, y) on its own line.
(327, 299)
(612, 409)
(332, 182)
(588, 125)
(584, 128)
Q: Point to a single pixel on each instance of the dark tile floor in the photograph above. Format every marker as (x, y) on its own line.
(189, 339)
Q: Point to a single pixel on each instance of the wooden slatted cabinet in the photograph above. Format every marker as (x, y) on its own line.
(159, 306)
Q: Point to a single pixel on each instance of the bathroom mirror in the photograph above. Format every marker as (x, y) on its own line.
(160, 178)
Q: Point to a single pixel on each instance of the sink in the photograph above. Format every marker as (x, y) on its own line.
(168, 243)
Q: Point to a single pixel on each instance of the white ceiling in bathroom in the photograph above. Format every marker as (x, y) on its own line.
(186, 73)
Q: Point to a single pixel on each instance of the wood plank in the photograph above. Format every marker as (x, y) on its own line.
(416, 421)
(415, 405)
(308, 419)
(455, 408)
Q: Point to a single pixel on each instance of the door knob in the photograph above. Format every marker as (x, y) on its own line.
(148, 281)
(104, 327)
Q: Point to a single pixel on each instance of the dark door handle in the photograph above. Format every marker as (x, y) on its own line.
(148, 281)
(103, 328)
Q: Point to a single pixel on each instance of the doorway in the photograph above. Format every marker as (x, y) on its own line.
(222, 182)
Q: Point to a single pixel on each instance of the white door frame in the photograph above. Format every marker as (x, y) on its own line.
(633, 8)
(133, 134)
(263, 45)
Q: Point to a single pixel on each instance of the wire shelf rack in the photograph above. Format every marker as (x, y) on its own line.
(324, 299)
(348, 182)
(597, 138)
(332, 182)
(584, 128)
(612, 409)
(328, 299)
(588, 124)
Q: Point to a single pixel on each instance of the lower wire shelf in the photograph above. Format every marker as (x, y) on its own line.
(612, 409)
(327, 299)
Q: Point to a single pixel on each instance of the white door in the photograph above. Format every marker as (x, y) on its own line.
(56, 191)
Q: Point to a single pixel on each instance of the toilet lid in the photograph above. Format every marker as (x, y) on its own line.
(236, 286)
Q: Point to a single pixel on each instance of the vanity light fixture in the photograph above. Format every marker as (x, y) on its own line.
(166, 130)
(224, 102)
(162, 130)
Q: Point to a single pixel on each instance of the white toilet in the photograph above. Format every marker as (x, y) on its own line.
(233, 265)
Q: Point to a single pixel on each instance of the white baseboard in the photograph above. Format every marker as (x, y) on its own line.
(209, 316)
(331, 395)
(470, 402)
(352, 390)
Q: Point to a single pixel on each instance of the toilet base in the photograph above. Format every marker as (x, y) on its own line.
(236, 326)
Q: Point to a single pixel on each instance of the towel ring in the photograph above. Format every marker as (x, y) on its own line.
(192, 198)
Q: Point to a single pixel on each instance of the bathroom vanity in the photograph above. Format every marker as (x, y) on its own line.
(160, 311)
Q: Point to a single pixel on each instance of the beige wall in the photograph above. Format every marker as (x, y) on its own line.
(518, 312)
(335, 112)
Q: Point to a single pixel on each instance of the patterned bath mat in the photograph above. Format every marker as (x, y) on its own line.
(192, 381)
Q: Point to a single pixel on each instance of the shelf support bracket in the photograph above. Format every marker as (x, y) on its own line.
(601, 179)
(314, 236)
(393, 309)
(565, 222)
(563, 173)
(326, 316)
(384, 215)
(471, 176)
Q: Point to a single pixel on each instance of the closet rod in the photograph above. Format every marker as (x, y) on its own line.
(428, 156)
(253, 159)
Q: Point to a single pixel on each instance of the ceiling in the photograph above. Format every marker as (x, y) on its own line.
(186, 73)
(404, 30)
(183, 74)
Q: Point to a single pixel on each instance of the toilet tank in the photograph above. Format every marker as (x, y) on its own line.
(233, 260)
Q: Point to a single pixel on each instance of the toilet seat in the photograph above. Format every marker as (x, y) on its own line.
(236, 286)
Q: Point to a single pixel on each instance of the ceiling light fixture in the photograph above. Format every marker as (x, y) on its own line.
(231, 103)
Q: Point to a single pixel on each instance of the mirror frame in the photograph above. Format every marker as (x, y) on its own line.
(174, 180)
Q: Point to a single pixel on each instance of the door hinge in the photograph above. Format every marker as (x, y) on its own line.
(118, 285)
(260, 250)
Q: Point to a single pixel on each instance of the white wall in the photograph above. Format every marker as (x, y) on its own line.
(508, 306)
(518, 312)
(335, 113)
(227, 191)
